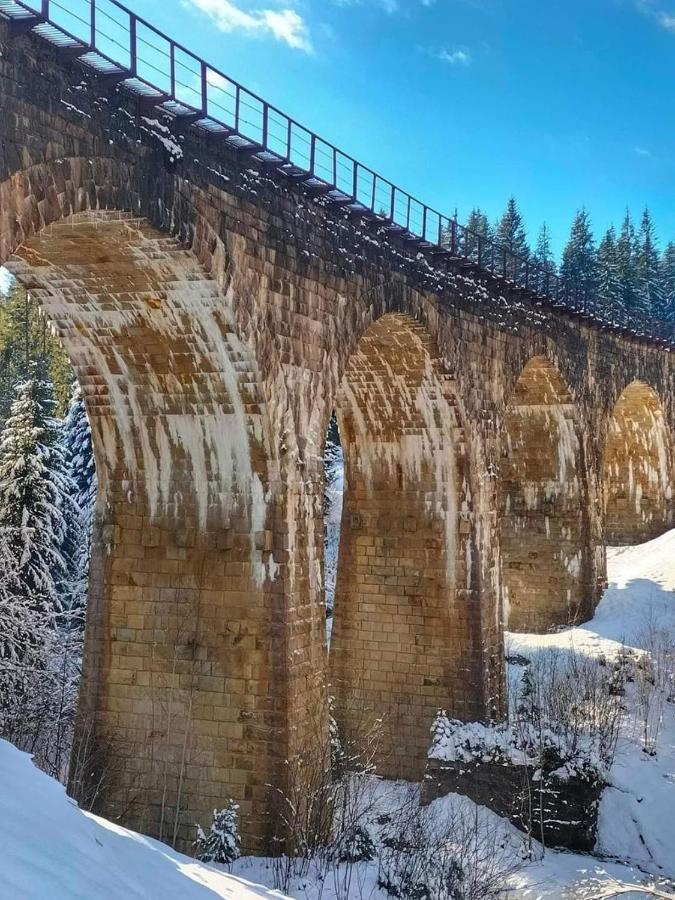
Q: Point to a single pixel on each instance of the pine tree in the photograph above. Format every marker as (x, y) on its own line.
(543, 265)
(628, 271)
(609, 284)
(28, 348)
(222, 843)
(33, 489)
(81, 472)
(510, 238)
(667, 272)
(579, 267)
(648, 295)
(477, 225)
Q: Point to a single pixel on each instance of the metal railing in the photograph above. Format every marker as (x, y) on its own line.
(118, 46)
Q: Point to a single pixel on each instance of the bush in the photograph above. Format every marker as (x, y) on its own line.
(222, 843)
(357, 845)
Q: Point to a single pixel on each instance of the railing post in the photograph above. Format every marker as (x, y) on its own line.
(92, 23)
(266, 124)
(393, 202)
(172, 63)
(453, 237)
(132, 45)
(205, 90)
(355, 188)
(424, 223)
(312, 154)
(45, 9)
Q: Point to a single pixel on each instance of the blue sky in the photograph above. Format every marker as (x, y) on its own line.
(465, 102)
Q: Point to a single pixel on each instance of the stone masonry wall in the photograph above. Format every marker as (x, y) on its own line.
(545, 545)
(403, 594)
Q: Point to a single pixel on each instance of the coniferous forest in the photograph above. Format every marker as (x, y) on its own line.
(628, 275)
(47, 489)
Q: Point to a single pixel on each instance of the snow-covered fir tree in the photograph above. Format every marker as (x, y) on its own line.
(34, 489)
(648, 277)
(626, 246)
(543, 266)
(667, 272)
(39, 666)
(609, 283)
(81, 472)
(579, 266)
(222, 844)
(477, 227)
(33, 494)
(510, 236)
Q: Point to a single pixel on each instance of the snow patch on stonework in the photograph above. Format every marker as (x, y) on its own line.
(524, 745)
(164, 136)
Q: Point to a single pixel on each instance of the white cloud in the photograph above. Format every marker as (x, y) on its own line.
(655, 11)
(389, 6)
(455, 57)
(284, 25)
(642, 151)
(667, 21)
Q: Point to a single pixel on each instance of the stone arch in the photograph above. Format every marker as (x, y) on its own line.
(545, 542)
(184, 675)
(637, 468)
(407, 621)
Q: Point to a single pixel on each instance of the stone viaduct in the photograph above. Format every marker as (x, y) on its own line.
(216, 314)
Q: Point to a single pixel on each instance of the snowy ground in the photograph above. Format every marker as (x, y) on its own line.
(50, 850)
(637, 812)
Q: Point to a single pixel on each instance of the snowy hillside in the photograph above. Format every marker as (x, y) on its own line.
(636, 824)
(51, 850)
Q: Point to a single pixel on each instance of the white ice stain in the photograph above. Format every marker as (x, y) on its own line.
(212, 431)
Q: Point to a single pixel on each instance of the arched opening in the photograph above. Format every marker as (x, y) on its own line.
(637, 467)
(407, 621)
(545, 535)
(334, 474)
(183, 674)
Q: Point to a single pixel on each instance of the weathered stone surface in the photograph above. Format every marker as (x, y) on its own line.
(216, 316)
(638, 468)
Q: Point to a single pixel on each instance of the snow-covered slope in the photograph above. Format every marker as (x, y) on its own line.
(637, 811)
(51, 850)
